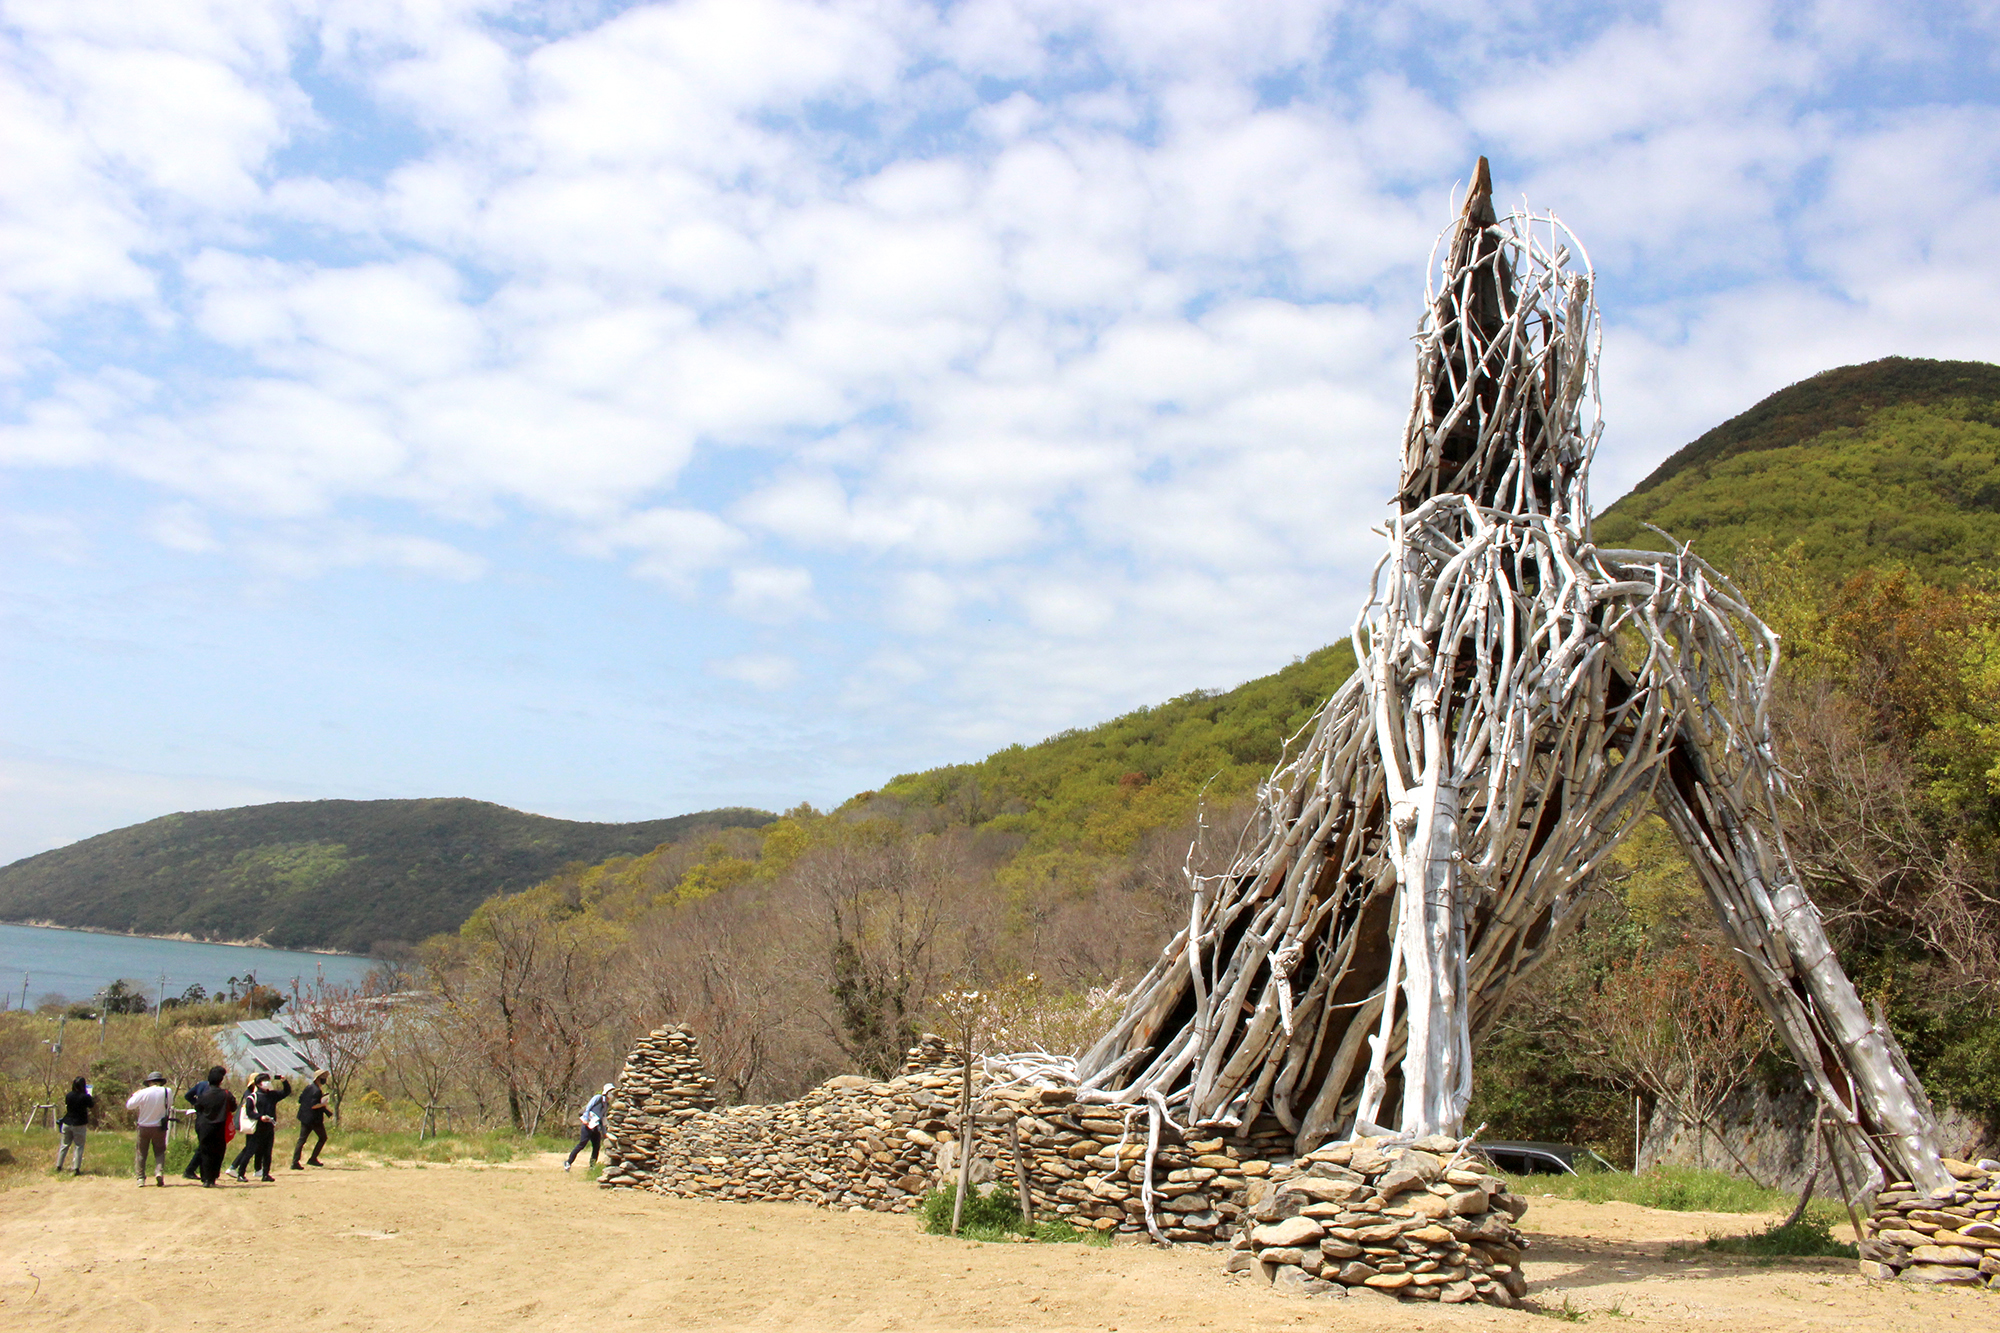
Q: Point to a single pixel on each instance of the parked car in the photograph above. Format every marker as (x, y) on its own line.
(1542, 1159)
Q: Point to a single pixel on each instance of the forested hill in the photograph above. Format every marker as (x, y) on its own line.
(342, 875)
(1895, 463)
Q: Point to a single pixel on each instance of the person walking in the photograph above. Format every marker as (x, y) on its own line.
(214, 1109)
(260, 1124)
(75, 1123)
(593, 1126)
(192, 1171)
(312, 1119)
(150, 1106)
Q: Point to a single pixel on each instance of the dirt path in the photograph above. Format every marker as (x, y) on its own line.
(477, 1248)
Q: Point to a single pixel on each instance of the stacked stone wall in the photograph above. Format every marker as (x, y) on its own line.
(1408, 1221)
(856, 1143)
(1949, 1236)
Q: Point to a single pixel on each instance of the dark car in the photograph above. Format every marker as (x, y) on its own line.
(1541, 1159)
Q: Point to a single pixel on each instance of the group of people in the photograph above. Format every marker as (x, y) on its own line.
(218, 1117)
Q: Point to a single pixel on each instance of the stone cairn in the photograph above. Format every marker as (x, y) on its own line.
(662, 1084)
(1948, 1236)
(1411, 1222)
(858, 1144)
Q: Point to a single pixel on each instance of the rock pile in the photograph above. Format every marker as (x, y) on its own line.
(1404, 1220)
(1409, 1221)
(1949, 1236)
(663, 1083)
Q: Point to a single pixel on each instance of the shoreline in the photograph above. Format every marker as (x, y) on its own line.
(184, 938)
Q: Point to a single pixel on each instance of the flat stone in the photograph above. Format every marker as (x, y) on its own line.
(1904, 1237)
(1430, 1235)
(1368, 1162)
(1879, 1272)
(1466, 1203)
(1398, 1180)
(1942, 1275)
(1943, 1237)
(1457, 1293)
(1962, 1169)
(1356, 1273)
(1982, 1230)
(1335, 1248)
(1389, 1281)
(1292, 1231)
(1294, 1282)
(1282, 1255)
(1378, 1235)
(1945, 1254)
(1323, 1191)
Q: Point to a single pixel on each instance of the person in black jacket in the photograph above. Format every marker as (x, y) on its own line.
(312, 1119)
(75, 1123)
(212, 1112)
(192, 1171)
(260, 1106)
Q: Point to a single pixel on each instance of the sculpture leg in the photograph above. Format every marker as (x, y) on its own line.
(1855, 1066)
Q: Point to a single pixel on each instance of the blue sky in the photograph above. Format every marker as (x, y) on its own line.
(614, 410)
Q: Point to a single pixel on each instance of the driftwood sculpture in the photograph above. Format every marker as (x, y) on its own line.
(1522, 698)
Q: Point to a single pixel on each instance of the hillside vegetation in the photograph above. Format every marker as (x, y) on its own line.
(1891, 464)
(345, 875)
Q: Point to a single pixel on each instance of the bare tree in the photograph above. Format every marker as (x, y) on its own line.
(529, 982)
(879, 909)
(340, 1025)
(1684, 1027)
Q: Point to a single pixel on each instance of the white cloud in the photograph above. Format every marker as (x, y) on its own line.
(772, 593)
(765, 671)
(1064, 341)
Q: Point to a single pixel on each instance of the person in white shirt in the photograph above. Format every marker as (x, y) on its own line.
(150, 1106)
(593, 1126)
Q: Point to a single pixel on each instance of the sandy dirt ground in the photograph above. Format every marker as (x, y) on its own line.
(523, 1245)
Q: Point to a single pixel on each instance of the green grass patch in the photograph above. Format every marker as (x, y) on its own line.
(1672, 1188)
(997, 1217)
(485, 1146)
(1811, 1237)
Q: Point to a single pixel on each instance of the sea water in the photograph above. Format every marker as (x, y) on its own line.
(76, 964)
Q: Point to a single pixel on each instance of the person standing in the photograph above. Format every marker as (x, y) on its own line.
(150, 1106)
(312, 1119)
(260, 1118)
(213, 1111)
(593, 1126)
(75, 1123)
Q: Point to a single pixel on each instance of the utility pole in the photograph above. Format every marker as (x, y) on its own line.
(163, 1000)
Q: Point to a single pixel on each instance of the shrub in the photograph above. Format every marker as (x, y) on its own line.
(996, 1216)
(1811, 1236)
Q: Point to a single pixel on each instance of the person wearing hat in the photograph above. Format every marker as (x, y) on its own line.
(150, 1106)
(593, 1126)
(312, 1118)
